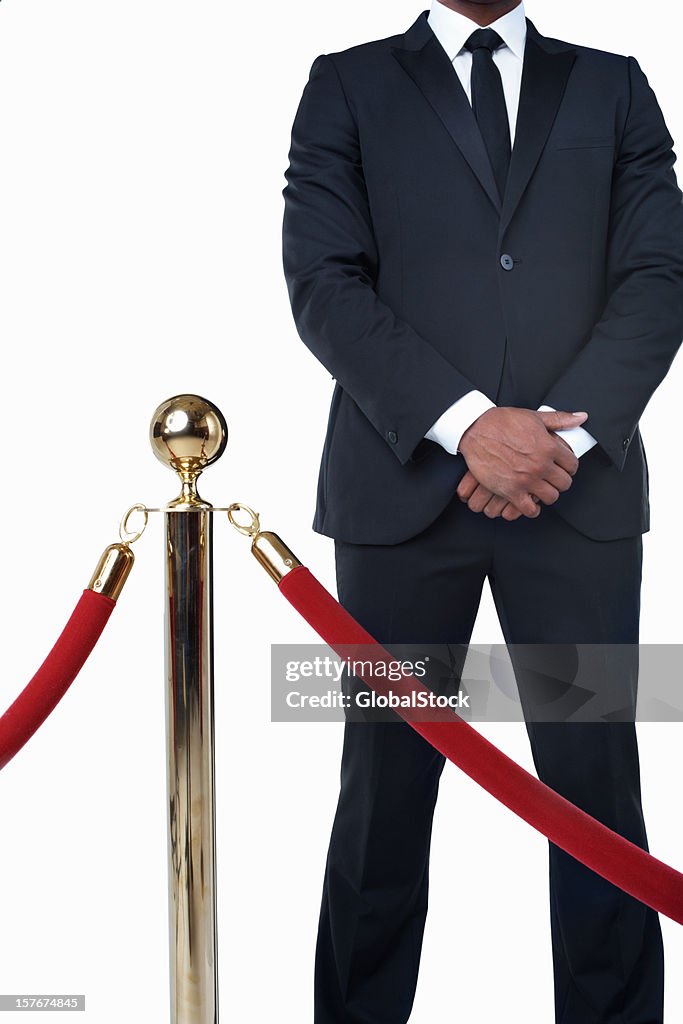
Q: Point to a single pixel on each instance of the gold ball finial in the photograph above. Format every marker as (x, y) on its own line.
(188, 433)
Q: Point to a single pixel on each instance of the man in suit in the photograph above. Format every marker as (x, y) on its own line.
(483, 235)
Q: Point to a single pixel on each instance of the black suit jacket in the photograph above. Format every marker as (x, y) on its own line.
(393, 239)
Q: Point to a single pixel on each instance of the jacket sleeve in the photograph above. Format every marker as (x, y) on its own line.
(397, 378)
(632, 346)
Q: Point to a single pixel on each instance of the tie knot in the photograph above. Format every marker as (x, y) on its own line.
(484, 39)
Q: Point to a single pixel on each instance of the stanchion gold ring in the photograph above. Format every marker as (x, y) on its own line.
(130, 536)
(253, 526)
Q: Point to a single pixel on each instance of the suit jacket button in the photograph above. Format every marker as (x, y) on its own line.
(624, 443)
(506, 261)
(392, 437)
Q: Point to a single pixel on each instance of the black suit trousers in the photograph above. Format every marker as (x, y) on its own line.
(551, 585)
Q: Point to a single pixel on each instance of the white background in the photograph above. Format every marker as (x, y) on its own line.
(143, 151)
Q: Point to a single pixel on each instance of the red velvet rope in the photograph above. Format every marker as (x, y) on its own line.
(562, 822)
(55, 675)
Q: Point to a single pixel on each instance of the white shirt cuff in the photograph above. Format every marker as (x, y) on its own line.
(578, 439)
(453, 423)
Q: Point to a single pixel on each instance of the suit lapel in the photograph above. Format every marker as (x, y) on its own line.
(427, 63)
(544, 78)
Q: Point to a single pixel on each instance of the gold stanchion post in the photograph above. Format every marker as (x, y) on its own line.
(187, 433)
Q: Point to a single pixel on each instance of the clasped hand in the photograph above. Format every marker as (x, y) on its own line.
(516, 461)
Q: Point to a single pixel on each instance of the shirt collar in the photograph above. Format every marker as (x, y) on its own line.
(453, 29)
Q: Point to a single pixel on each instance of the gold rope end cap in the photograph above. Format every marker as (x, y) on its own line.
(274, 555)
(113, 569)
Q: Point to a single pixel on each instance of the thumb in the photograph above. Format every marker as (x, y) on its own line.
(563, 420)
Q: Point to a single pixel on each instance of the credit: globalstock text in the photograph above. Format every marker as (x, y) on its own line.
(334, 699)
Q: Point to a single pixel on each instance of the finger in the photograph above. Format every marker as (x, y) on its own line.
(546, 492)
(564, 457)
(495, 506)
(467, 486)
(559, 478)
(510, 513)
(563, 420)
(480, 499)
(526, 505)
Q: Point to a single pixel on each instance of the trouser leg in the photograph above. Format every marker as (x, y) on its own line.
(554, 586)
(374, 904)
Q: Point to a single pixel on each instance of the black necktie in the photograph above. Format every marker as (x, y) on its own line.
(488, 102)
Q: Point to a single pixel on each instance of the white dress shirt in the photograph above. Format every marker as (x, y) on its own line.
(452, 30)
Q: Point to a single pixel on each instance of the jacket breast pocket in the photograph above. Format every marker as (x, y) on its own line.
(583, 141)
